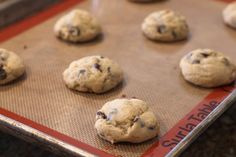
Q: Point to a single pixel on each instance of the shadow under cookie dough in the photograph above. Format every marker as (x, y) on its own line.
(98, 39)
(114, 92)
(14, 83)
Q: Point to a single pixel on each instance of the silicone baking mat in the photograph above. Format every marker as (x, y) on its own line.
(40, 101)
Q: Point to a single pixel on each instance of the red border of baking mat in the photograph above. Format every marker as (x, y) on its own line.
(227, 1)
(160, 148)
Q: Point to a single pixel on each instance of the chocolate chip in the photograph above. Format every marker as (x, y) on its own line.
(174, 34)
(101, 114)
(205, 55)
(3, 74)
(196, 61)
(151, 127)
(74, 31)
(82, 71)
(98, 67)
(25, 47)
(161, 29)
(134, 97)
(101, 57)
(123, 96)
(109, 69)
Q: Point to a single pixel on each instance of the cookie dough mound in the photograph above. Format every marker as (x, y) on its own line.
(11, 66)
(165, 26)
(229, 15)
(95, 74)
(126, 120)
(77, 26)
(207, 68)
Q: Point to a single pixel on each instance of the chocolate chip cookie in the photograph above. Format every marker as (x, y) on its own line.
(11, 66)
(165, 26)
(77, 26)
(126, 120)
(95, 74)
(207, 68)
(229, 15)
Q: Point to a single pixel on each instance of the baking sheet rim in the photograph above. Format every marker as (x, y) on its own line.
(216, 113)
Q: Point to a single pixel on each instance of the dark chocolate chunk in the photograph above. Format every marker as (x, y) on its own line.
(123, 96)
(205, 55)
(74, 31)
(161, 29)
(101, 114)
(151, 127)
(3, 74)
(98, 67)
(196, 61)
(82, 71)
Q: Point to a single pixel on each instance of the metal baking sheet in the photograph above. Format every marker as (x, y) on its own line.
(39, 106)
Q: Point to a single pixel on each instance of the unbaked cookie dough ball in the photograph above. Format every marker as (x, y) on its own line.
(11, 66)
(229, 15)
(77, 26)
(165, 26)
(207, 68)
(126, 120)
(95, 74)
